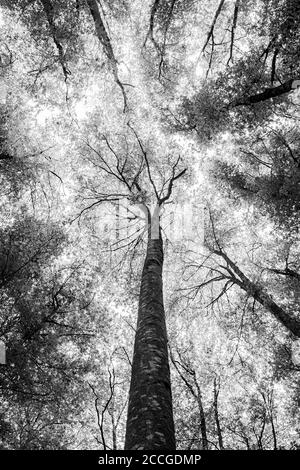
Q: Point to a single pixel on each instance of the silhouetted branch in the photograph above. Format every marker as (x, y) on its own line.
(106, 43)
(233, 28)
(49, 12)
(211, 31)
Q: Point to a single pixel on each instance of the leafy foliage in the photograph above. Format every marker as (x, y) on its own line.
(101, 111)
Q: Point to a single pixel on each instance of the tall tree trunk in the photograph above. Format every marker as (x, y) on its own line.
(196, 392)
(201, 414)
(216, 413)
(150, 416)
(273, 431)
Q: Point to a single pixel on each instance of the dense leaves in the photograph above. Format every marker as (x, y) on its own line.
(109, 107)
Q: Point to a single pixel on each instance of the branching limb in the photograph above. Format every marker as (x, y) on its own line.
(144, 153)
(288, 147)
(94, 204)
(100, 416)
(150, 33)
(194, 389)
(106, 43)
(163, 47)
(286, 272)
(273, 70)
(233, 28)
(160, 47)
(49, 12)
(173, 178)
(259, 294)
(211, 31)
(268, 93)
(255, 290)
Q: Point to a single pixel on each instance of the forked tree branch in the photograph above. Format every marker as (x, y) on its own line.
(233, 28)
(172, 180)
(211, 31)
(106, 43)
(49, 12)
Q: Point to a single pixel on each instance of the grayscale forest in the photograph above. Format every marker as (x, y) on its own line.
(149, 224)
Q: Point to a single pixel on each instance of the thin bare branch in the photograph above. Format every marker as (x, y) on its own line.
(233, 28)
(211, 31)
(49, 12)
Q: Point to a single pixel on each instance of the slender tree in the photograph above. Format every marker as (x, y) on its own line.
(150, 416)
(189, 378)
(234, 275)
(216, 413)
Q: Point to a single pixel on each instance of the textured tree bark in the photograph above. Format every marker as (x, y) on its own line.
(292, 324)
(150, 415)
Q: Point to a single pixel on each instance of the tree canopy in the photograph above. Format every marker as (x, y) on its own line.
(117, 119)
